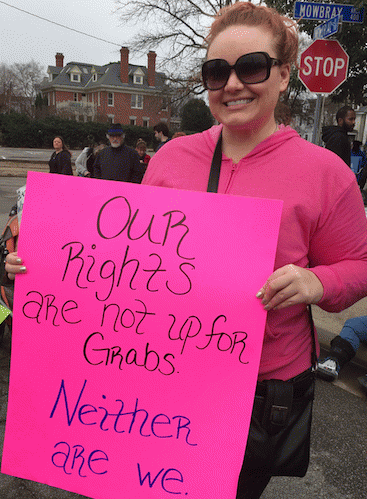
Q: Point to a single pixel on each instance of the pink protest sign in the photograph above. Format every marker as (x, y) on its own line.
(137, 337)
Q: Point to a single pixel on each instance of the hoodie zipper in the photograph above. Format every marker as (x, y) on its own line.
(234, 168)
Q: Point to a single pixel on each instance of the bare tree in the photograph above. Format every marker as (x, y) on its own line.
(7, 89)
(28, 77)
(179, 27)
(19, 85)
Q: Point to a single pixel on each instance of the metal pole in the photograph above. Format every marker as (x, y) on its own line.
(318, 141)
(316, 124)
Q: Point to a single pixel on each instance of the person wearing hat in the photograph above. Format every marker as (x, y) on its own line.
(118, 161)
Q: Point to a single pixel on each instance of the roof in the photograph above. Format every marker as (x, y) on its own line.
(107, 75)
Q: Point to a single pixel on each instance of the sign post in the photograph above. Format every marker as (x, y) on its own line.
(323, 68)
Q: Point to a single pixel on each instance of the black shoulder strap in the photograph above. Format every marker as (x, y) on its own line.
(213, 187)
(215, 167)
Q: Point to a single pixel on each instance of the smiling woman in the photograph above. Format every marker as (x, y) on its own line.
(250, 51)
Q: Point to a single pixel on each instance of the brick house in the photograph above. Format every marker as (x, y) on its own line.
(117, 92)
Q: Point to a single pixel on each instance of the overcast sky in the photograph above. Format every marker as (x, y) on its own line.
(24, 37)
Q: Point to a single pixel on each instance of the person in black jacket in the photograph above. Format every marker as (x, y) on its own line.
(118, 161)
(336, 137)
(60, 161)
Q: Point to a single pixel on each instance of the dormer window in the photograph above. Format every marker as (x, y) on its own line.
(138, 77)
(95, 77)
(75, 77)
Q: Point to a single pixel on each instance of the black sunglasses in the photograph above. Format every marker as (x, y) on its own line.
(250, 68)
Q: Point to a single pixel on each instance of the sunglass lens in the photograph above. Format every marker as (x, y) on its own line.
(252, 68)
(215, 74)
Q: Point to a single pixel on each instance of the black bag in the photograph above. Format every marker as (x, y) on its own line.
(280, 429)
(279, 436)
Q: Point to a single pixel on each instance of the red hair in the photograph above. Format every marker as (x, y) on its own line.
(283, 29)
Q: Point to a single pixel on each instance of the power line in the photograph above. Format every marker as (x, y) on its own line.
(61, 25)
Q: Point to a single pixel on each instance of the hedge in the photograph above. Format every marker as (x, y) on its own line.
(18, 130)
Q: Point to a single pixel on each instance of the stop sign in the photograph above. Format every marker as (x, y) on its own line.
(323, 66)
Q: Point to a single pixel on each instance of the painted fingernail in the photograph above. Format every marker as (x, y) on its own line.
(23, 269)
(259, 294)
(19, 260)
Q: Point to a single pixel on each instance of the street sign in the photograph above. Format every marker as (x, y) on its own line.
(323, 66)
(326, 29)
(325, 11)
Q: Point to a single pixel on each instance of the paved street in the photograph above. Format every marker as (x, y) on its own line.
(27, 154)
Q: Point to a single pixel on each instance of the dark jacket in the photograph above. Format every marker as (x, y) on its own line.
(120, 163)
(61, 163)
(336, 140)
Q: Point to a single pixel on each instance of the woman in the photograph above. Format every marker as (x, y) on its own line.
(60, 161)
(322, 252)
(84, 162)
(141, 149)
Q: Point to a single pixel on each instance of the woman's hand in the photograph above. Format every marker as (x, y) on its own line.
(289, 286)
(14, 265)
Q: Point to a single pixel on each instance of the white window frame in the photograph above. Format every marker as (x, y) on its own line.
(132, 120)
(137, 101)
(138, 79)
(73, 79)
(95, 77)
(110, 99)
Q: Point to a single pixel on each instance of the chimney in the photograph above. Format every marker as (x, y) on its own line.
(59, 60)
(151, 68)
(124, 69)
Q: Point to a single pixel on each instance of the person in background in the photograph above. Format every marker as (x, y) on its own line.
(84, 162)
(342, 350)
(321, 254)
(118, 161)
(141, 149)
(161, 134)
(60, 161)
(178, 134)
(336, 137)
(359, 163)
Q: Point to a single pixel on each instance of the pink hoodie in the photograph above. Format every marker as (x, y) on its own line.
(323, 223)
